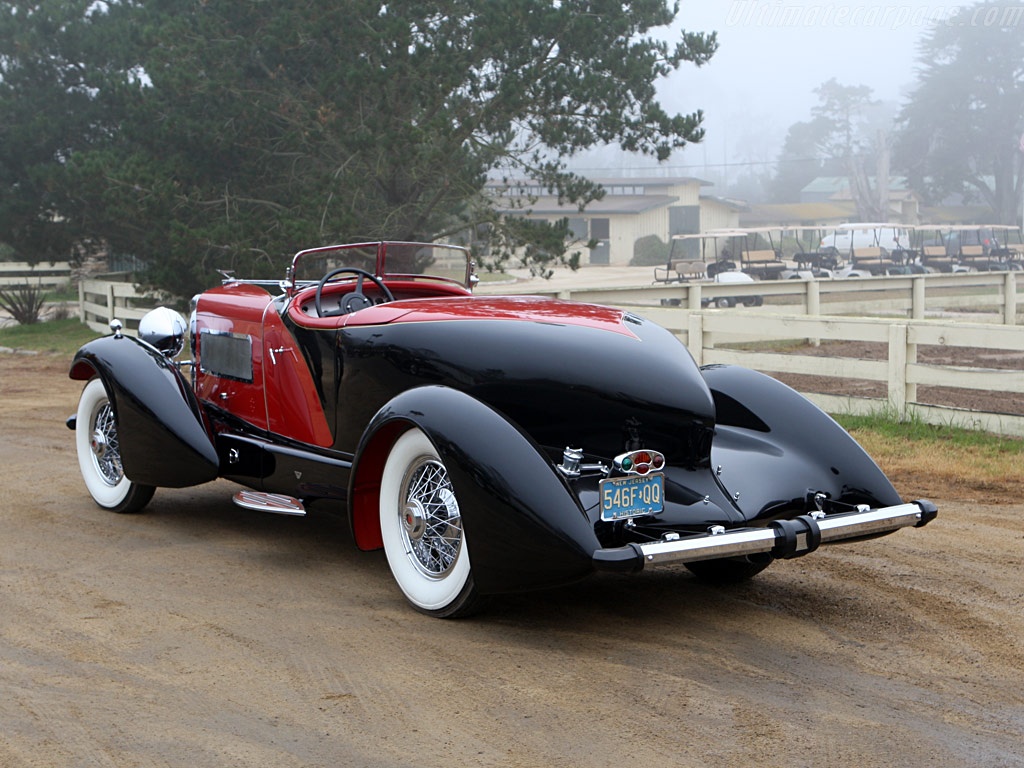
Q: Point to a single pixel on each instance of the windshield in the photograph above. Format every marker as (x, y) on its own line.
(419, 261)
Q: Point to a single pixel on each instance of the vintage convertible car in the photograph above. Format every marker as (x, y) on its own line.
(487, 444)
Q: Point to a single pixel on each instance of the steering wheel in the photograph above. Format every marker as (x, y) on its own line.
(354, 300)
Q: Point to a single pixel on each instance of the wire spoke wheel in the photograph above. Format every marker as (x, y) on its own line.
(98, 443)
(431, 523)
(421, 526)
(106, 448)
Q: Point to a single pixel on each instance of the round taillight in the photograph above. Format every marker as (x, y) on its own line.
(641, 462)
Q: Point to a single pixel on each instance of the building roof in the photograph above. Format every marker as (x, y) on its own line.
(840, 185)
(727, 202)
(610, 204)
(648, 181)
(616, 181)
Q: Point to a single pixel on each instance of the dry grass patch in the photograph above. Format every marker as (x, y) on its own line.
(943, 462)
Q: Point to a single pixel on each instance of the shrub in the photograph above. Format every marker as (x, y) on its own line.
(23, 302)
(649, 251)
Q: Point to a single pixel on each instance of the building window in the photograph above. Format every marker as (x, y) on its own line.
(578, 228)
(619, 189)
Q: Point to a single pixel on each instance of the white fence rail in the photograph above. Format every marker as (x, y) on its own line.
(15, 273)
(988, 296)
(796, 309)
(900, 373)
(100, 301)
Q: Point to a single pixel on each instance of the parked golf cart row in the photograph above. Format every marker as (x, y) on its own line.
(874, 249)
(970, 248)
(707, 258)
(846, 251)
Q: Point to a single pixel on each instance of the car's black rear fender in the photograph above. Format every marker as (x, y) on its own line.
(774, 446)
(163, 437)
(525, 526)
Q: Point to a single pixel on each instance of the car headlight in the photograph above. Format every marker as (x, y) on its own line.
(164, 329)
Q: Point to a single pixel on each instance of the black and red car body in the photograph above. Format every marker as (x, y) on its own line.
(488, 444)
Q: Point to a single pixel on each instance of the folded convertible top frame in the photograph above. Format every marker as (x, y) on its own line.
(781, 539)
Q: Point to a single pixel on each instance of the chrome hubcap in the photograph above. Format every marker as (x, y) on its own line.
(431, 521)
(414, 521)
(98, 443)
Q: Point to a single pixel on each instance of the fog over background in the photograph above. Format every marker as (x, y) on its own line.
(772, 54)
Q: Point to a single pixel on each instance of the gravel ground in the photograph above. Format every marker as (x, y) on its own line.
(198, 634)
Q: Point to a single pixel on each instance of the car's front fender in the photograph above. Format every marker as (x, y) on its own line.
(524, 526)
(163, 438)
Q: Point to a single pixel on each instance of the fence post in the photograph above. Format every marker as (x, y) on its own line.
(812, 304)
(693, 296)
(110, 302)
(1010, 298)
(898, 357)
(81, 300)
(917, 298)
(695, 337)
(812, 297)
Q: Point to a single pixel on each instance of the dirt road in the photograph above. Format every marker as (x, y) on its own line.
(198, 634)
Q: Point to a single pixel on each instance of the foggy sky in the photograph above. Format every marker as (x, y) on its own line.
(772, 55)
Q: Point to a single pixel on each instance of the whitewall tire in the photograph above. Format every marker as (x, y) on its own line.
(421, 526)
(99, 454)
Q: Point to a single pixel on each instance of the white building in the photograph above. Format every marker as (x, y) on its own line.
(631, 209)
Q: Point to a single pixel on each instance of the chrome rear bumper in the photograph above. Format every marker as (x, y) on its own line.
(781, 539)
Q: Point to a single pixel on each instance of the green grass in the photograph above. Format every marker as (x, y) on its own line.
(65, 292)
(58, 336)
(915, 430)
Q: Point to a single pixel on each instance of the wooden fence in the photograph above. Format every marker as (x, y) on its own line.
(100, 301)
(987, 296)
(712, 337)
(14, 273)
(798, 310)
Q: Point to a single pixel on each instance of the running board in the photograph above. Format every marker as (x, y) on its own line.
(269, 502)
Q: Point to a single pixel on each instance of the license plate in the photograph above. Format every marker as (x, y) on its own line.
(632, 496)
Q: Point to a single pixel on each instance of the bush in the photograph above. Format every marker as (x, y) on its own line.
(23, 302)
(649, 251)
